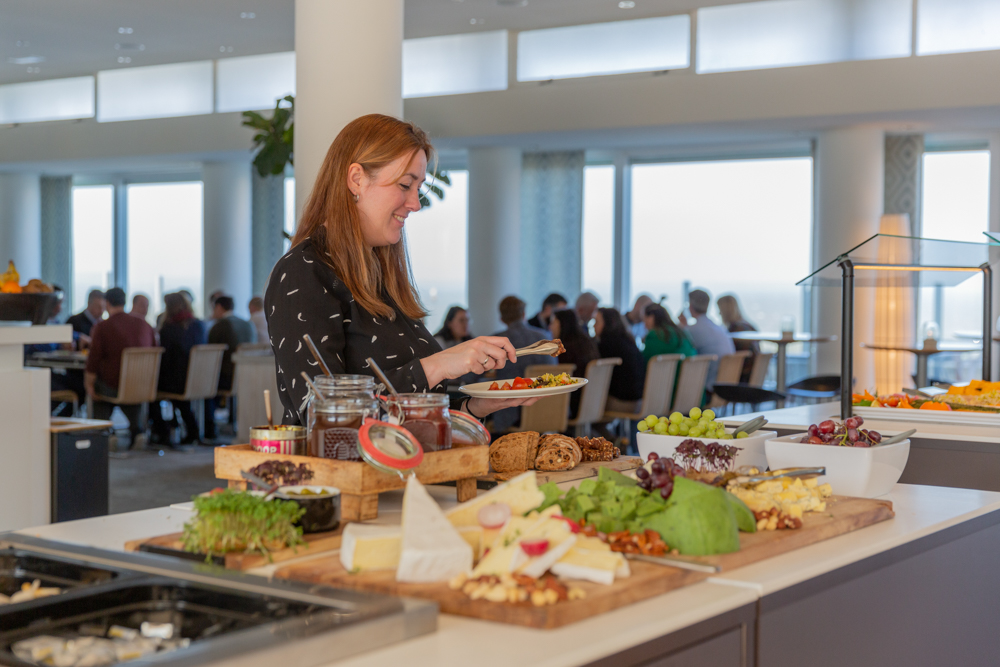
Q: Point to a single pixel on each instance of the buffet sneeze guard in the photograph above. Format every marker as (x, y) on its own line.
(930, 262)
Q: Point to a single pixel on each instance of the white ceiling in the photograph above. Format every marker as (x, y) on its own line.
(79, 37)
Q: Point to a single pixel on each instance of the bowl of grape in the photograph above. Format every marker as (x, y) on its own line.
(662, 436)
(856, 461)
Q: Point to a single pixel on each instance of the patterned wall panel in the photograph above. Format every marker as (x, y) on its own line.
(551, 225)
(903, 174)
(268, 223)
(57, 234)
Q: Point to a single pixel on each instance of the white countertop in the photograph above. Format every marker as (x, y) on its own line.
(920, 511)
(800, 417)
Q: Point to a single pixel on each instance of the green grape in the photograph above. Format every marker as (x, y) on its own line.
(696, 432)
(660, 428)
(695, 413)
(709, 413)
(651, 420)
(642, 426)
(684, 429)
(673, 429)
(726, 436)
(664, 420)
(741, 435)
(676, 417)
(688, 422)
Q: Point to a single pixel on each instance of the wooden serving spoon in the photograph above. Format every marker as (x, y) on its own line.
(551, 348)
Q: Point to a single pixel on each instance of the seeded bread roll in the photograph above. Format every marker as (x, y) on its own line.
(552, 458)
(510, 452)
(564, 441)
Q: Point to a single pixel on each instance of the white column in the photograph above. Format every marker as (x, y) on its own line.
(227, 232)
(348, 63)
(622, 276)
(21, 224)
(850, 175)
(494, 233)
(995, 253)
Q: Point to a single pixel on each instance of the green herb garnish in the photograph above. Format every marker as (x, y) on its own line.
(238, 521)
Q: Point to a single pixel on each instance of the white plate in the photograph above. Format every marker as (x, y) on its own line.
(928, 416)
(482, 390)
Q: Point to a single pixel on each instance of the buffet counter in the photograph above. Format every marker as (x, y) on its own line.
(965, 456)
(841, 601)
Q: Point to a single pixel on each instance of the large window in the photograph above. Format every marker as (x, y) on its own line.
(949, 26)
(165, 241)
(436, 240)
(452, 64)
(740, 227)
(598, 230)
(955, 206)
(93, 241)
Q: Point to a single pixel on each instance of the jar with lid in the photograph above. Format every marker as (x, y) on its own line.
(341, 385)
(334, 418)
(427, 417)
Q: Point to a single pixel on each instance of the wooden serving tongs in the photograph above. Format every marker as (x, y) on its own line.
(551, 348)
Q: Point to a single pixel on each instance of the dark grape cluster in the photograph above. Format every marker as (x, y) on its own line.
(661, 476)
(710, 457)
(846, 434)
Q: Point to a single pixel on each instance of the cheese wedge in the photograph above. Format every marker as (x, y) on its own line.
(561, 540)
(521, 494)
(507, 545)
(476, 537)
(432, 550)
(600, 567)
(368, 547)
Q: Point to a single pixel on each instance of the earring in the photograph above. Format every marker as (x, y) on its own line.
(356, 197)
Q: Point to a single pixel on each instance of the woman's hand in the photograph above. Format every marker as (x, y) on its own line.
(480, 407)
(478, 355)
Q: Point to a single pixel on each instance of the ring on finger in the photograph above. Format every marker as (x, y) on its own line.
(485, 361)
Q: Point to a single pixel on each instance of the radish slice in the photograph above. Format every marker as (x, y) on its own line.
(534, 547)
(493, 516)
(573, 525)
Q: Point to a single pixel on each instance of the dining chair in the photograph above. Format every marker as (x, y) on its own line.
(758, 372)
(137, 380)
(594, 395)
(204, 367)
(729, 372)
(691, 382)
(661, 374)
(550, 414)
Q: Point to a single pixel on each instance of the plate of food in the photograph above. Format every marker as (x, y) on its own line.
(549, 384)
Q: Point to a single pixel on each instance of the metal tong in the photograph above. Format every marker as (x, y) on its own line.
(749, 427)
(777, 474)
(549, 348)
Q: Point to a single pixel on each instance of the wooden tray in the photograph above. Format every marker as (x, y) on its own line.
(581, 471)
(170, 545)
(842, 516)
(359, 483)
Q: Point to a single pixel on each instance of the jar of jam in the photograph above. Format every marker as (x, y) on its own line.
(333, 423)
(342, 385)
(426, 416)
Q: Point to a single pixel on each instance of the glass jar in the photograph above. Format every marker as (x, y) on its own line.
(343, 385)
(333, 423)
(427, 417)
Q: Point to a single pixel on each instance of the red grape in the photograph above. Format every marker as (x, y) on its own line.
(652, 456)
(642, 473)
(826, 426)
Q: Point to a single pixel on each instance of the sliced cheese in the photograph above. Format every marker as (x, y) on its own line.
(591, 543)
(561, 540)
(476, 537)
(521, 494)
(505, 548)
(432, 550)
(600, 567)
(369, 547)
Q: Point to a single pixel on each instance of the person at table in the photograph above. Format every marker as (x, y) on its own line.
(520, 335)
(85, 320)
(580, 349)
(455, 329)
(664, 336)
(109, 340)
(257, 318)
(636, 318)
(585, 307)
(140, 306)
(707, 336)
(733, 320)
(180, 332)
(629, 379)
(61, 379)
(232, 331)
(551, 304)
(345, 281)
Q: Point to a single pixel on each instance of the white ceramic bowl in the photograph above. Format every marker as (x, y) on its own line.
(864, 472)
(751, 454)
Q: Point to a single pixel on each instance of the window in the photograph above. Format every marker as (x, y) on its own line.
(599, 230)
(618, 47)
(254, 82)
(950, 26)
(436, 240)
(93, 242)
(289, 209)
(955, 206)
(159, 91)
(740, 227)
(165, 241)
(57, 99)
(779, 33)
(455, 64)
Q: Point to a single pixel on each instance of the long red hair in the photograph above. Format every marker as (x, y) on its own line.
(331, 218)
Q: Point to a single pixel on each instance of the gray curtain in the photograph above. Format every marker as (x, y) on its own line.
(57, 234)
(551, 225)
(268, 223)
(903, 175)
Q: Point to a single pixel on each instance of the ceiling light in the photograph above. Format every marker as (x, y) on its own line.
(247, 15)
(130, 46)
(124, 59)
(124, 31)
(21, 42)
(26, 60)
(512, 3)
(626, 4)
(225, 49)
(34, 70)
(477, 21)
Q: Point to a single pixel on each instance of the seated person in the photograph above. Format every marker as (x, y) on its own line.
(109, 339)
(551, 304)
(84, 321)
(580, 349)
(180, 332)
(707, 336)
(664, 336)
(628, 380)
(732, 317)
(233, 331)
(520, 335)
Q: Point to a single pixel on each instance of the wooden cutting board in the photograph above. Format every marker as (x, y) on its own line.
(648, 580)
(171, 545)
(581, 471)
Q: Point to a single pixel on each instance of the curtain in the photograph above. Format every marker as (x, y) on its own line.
(57, 234)
(268, 223)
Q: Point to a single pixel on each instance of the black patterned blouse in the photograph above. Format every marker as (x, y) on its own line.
(305, 296)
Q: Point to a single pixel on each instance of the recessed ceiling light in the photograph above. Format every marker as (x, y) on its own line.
(34, 70)
(626, 4)
(129, 46)
(124, 31)
(512, 3)
(477, 21)
(247, 15)
(225, 49)
(21, 42)
(26, 60)
(124, 59)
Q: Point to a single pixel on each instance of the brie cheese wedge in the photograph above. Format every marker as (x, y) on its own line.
(369, 547)
(432, 550)
(600, 567)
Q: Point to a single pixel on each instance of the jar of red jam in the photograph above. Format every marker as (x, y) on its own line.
(333, 424)
(426, 416)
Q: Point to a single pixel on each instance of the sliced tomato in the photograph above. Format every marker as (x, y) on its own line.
(506, 385)
(494, 387)
(521, 383)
